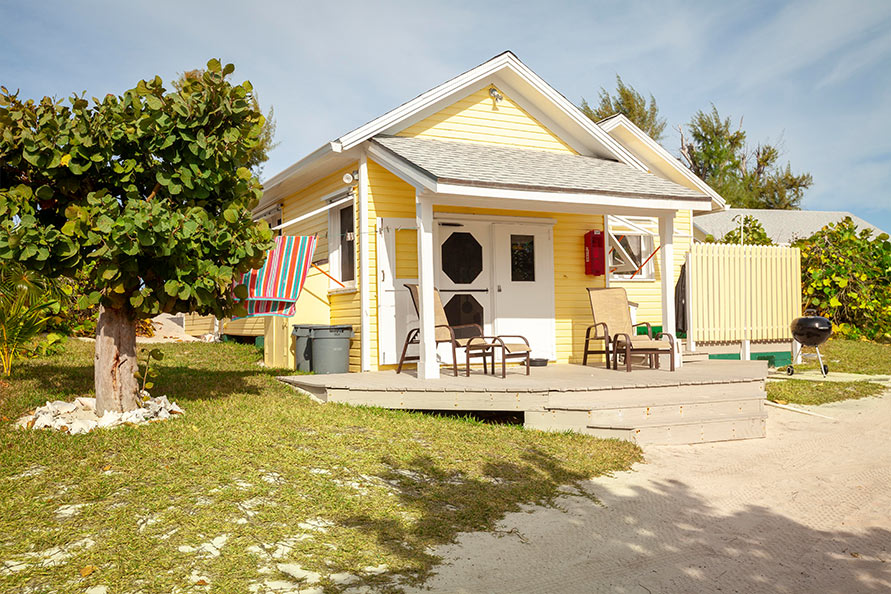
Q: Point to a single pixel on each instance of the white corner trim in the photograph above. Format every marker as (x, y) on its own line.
(363, 246)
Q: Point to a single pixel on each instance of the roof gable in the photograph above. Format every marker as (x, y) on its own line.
(530, 91)
(488, 116)
(657, 160)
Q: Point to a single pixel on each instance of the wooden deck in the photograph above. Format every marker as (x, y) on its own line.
(713, 400)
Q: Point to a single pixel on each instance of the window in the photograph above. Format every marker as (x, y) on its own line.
(347, 245)
(629, 256)
(342, 246)
(522, 258)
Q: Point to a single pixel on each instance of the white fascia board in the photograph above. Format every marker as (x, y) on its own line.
(621, 120)
(401, 169)
(576, 115)
(566, 202)
(407, 109)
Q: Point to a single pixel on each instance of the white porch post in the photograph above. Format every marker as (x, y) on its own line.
(362, 250)
(428, 367)
(666, 242)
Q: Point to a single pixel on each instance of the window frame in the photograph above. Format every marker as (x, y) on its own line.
(335, 255)
(648, 246)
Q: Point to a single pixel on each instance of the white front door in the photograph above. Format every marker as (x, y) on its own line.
(523, 288)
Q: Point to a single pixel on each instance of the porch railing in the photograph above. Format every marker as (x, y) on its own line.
(741, 293)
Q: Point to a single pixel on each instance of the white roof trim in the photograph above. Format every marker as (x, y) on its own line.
(621, 120)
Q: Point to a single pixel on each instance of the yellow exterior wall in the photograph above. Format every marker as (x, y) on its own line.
(198, 325)
(648, 294)
(316, 304)
(477, 118)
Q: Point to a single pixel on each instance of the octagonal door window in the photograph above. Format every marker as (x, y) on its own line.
(462, 258)
(464, 309)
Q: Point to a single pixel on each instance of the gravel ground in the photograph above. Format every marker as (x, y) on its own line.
(808, 509)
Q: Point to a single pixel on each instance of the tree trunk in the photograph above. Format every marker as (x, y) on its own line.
(116, 365)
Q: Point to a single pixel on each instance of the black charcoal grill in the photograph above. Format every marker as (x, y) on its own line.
(811, 331)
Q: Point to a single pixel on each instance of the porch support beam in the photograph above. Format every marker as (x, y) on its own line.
(666, 250)
(364, 278)
(428, 367)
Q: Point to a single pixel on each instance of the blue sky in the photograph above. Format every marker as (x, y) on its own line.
(814, 76)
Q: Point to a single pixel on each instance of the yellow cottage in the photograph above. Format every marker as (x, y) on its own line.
(445, 191)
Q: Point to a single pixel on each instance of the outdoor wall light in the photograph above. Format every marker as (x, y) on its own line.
(349, 178)
(495, 95)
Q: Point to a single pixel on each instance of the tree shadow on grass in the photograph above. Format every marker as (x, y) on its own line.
(443, 504)
(661, 538)
(54, 380)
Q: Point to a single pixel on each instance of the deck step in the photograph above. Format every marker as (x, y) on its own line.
(699, 431)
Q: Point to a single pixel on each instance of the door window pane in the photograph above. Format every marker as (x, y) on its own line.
(522, 258)
(462, 258)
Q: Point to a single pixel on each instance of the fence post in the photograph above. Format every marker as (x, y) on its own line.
(691, 342)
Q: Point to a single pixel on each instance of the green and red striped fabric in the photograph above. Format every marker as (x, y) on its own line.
(273, 290)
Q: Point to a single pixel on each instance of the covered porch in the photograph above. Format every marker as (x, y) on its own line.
(527, 184)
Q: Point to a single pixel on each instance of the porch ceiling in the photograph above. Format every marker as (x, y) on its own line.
(457, 164)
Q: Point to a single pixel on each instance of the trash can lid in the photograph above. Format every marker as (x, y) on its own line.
(304, 329)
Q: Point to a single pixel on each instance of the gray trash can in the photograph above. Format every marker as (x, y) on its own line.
(302, 334)
(331, 349)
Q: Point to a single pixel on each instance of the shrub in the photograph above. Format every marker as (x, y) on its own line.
(846, 277)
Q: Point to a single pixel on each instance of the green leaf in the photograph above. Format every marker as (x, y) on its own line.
(171, 287)
(156, 354)
(240, 291)
(230, 214)
(153, 102)
(213, 65)
(149, 385)
(136, 300)
(834, 302)
(243, 173)
(228, 69)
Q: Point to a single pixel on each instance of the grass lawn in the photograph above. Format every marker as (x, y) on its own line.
(253, 481)
(808, 392)
(852, 356)
(841, 356)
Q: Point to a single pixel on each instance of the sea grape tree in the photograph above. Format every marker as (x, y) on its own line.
(149, 192)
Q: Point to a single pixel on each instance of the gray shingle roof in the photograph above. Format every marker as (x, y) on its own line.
(782, 226)
(480, 165)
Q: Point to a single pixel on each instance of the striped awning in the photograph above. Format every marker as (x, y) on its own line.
(273, 290)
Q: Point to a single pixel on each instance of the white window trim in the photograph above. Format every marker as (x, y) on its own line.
(334, 250)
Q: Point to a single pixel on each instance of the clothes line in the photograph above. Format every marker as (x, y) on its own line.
(315, 212)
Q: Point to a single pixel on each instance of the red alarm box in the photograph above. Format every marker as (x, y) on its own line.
(595, 254)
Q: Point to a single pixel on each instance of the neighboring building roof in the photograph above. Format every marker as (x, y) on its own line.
(480, 165)
(782, 226)
(664, 164)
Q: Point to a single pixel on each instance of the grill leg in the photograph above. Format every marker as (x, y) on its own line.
(820, 361)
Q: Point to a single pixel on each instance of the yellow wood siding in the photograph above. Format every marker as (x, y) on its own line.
(648, 294)
(388, 196)
(477, 118)
(315, 305)
(197, 325)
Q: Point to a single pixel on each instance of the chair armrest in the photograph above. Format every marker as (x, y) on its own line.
(623, 335)
(503, 336)
(605, 332)
(634, 303)
(669, 336)
(649, 328)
